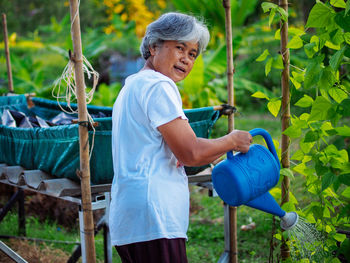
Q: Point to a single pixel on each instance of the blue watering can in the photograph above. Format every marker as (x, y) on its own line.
(246, 178)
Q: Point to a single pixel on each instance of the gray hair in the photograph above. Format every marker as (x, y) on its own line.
(174, 26)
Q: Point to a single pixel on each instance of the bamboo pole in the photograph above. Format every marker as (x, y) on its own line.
(7, 54)
(285, 118)
(232, 211)
(84, 172)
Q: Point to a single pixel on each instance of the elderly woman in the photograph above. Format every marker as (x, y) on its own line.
(152, 140)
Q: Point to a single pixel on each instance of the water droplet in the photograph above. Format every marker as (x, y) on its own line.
(306, 242)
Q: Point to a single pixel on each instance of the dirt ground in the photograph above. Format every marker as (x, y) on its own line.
(34, 253)
(42, 207)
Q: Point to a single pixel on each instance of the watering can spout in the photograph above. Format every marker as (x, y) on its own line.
(268, 204)
(289, 220)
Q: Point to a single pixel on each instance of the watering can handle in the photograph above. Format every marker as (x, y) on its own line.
(268, 140)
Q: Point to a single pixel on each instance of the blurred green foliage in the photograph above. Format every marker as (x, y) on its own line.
(40, 39)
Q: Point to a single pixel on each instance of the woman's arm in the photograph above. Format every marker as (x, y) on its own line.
(193, 151)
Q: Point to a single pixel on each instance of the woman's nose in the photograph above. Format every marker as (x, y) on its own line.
(185, 60)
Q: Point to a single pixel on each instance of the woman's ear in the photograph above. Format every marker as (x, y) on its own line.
(152, 50)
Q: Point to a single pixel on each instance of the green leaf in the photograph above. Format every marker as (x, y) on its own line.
(287, 172)
(304, 102)
(338, 3)
(343, 20)
(313, 72)
(331, 45)
(283, 13)
(298, 155)
(347, 7)
(339, 237)
(327, 78)
(346, 192)
(306, 146)
(278, 236)
(298, 76)
(345, 179)
(296, 84)
(310, 49)
(274, 106)
(337, 58)
(292, 198)
(278, 62)
(345, 108)
(266, 6)
(268, 66)
(276, 192)
(347, 37)
(337, 36)
(260, 95)
(338, 94)
(272, 16)
(295, 43)
(288, 206)
(326, 212)
(319, 16)
(328, 179)
(278, 34)
(263, 56)
(345, 170)
(343, 131)
(311, 136)
(319, 110)
(293, 131)
(295, 31)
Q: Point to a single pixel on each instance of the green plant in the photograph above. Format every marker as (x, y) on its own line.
(106, 95)
(321, 84)
(209, 72)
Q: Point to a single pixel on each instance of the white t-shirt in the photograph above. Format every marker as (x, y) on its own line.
(150, 196)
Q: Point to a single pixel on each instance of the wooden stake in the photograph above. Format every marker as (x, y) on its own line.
(7, 54)
(232, 214)
(285, 118)
(90, 253)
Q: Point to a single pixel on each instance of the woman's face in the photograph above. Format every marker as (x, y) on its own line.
(174, 59)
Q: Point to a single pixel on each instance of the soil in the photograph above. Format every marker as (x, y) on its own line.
(46, 207)
(34, 253)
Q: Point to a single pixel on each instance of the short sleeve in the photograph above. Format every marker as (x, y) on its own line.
(163, 104)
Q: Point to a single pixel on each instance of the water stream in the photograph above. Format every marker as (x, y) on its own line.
(306, 242)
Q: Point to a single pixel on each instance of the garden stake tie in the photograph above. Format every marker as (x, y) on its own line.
(89, 240)
(232, 211)
(7, 54)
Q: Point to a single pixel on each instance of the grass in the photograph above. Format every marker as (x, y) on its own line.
(206, 229)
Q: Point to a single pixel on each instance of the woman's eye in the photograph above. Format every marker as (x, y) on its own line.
(180, 48)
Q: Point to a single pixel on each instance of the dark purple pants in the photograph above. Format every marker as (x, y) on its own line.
(155, 251)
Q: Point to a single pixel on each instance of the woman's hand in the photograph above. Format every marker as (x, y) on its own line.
(193, 151)
(241, 140)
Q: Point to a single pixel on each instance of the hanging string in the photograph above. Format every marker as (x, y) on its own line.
(67, 82)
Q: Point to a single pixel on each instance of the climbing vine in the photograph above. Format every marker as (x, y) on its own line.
(320, 87)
